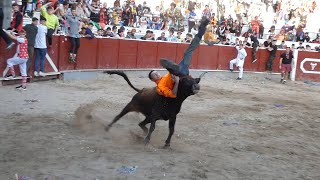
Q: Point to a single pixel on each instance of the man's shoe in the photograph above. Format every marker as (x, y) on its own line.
(21, 88)
(42, 74)
(239, 78)
(284, 81)
(172, 67)
(231, 70)
(281, 80)
(10, 76)
(9, 46)
(36, 74)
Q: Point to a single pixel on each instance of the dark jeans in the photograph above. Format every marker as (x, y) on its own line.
(2, 33)
(49, 36)
(254, 51)
(185, 62)
(30, 53)
(40, 54)
(270, 63)
(75, 44)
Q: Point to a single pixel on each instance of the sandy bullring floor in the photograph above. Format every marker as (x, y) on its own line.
(249, 129)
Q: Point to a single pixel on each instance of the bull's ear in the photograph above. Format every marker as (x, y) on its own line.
(197, 80)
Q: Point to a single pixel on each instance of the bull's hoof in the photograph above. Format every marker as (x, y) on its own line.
(166, 146)
(146, 141)
(107, 128)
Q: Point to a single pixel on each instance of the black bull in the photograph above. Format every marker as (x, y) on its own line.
(156, 107)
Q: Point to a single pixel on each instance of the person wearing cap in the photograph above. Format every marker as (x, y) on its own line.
(273, 51)
(52, 22)
(239, 60)
(167, 85)
(31, 30)
(17, 20)
(41, 48)
(4, 35)
(20, 58)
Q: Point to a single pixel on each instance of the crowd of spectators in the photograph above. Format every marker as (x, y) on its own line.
(178, 22)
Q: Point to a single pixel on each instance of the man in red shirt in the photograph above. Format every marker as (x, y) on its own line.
(285, 64)
(17, 21)
(168, 84)
(20, 58)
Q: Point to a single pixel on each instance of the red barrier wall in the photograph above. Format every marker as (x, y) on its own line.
(301, 76)
(106, 53)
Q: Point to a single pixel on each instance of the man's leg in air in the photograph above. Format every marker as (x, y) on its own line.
(183, 68)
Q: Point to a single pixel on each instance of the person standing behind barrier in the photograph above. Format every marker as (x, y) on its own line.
(255, 45)
(74, 22)
(3, 34)
(41, 48)
(273, 50)
(20, 58)
(31, 30)
(17, 20)
(52, 22)
(239, 60)
(285, 64)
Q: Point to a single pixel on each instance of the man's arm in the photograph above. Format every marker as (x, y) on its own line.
(12, 36)
(280, 63)
(43, 9)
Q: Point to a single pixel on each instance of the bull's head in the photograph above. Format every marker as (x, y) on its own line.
(189, 86)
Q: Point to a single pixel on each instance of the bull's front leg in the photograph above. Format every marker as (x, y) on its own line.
(172, 122)
(151, 129)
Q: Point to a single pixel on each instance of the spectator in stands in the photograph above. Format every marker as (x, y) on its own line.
(228, 34)
(272, 31)
(300, 34)
(89, 32)
(74, 24)
(3, 34)
(21, 59)
(83, 32)
(103, 16)
(281, 35)
(80, 11)
(308, 47)
(293, 46)
(52, 22)
(108, 32)
(17, 20)
(40, 47)
(31, 30)
(273, 51)
(149, 36)
(179, 38)
(306, 37)
(62, 13)
(114, 31)
(317, 40)
(171, 36)
(188, 38)
(208, 36)
(285, 64)
(301, 47)
(131, 34)
(255, 24)
(290, 36)
(94, 11)
(221, 32)
(191, 20)
(206, 12)
(239, 60)
(162, 37)
(237, 42)
(100, 32)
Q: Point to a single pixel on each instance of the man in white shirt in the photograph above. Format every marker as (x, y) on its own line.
(239, 60)
(40, 48)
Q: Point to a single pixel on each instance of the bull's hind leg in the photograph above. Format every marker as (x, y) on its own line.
(129, 107)
(143, 125)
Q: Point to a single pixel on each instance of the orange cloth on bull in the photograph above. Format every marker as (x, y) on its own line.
(165, 86)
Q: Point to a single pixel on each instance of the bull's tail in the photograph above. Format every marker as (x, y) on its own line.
(121, 73)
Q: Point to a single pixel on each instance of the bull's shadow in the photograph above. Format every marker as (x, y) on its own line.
(155, 107)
